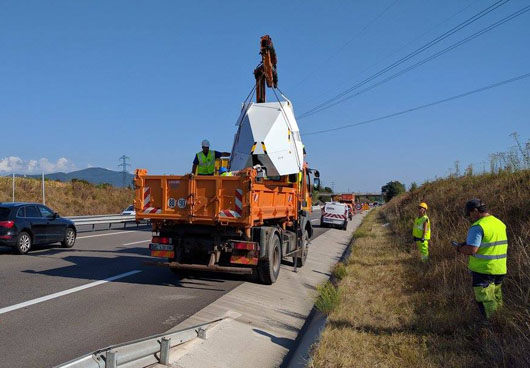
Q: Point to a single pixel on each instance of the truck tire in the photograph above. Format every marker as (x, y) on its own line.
(305, 249)
(345, 226)
(269, 269)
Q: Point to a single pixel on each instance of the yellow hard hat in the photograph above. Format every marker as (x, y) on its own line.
(423, 205)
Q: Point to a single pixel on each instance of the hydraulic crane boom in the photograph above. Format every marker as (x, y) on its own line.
(266, 70)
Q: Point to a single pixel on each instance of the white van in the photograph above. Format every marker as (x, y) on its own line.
(334, 214)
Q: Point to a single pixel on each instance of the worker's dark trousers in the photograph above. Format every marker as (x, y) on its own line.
(488, 293)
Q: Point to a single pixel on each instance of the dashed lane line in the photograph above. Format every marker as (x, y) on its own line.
(138, 242)
(94, 236)
(66, 292)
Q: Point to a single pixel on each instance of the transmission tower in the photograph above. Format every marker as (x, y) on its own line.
(124, 165)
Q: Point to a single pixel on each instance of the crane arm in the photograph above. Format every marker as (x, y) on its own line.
(266, 70)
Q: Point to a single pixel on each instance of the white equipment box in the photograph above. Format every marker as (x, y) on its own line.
(268, 135)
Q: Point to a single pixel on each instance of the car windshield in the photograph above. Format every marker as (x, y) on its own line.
(130, 208)
(4, 213)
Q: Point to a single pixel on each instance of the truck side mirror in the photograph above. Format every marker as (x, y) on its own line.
(316, 183)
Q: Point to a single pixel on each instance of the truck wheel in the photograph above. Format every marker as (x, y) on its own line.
(305, 249)
(269, 269)
(345, 226)
(322, 224)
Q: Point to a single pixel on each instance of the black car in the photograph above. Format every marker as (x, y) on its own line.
(25, 224)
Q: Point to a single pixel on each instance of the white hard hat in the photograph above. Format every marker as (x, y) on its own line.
(205, 143)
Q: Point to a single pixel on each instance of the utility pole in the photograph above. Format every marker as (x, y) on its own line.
(124, 165)
(43, 192)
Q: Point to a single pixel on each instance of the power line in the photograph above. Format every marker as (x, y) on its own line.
(310, 74)
(465, 94)
(395, 51)
(419, 50)
(426, 60)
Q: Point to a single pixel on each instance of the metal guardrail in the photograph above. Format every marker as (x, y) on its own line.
(139, 353)
(103, 219)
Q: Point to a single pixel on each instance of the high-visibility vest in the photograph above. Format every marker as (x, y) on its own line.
(417, 229)
(206, 163)
(491, 255)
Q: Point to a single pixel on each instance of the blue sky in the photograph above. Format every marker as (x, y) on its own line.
(84, 82)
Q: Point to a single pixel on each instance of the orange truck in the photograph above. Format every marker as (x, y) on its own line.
(248, 221)
(348, 199)
(241, 224)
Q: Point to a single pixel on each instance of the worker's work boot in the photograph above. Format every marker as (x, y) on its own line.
(486, 296)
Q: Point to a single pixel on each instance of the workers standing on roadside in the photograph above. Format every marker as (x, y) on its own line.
(487, 247)
(204, 161)
(421, 231)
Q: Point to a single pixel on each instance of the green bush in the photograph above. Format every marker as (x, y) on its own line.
(340, 271)
(328, 298)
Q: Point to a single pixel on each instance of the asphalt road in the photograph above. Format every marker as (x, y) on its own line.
(57, 304)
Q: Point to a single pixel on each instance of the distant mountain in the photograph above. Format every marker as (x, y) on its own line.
(94, 175)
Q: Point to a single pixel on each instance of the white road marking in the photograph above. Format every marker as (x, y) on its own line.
(66, 292)
(138, 242)
(93, 236)
(314, 220)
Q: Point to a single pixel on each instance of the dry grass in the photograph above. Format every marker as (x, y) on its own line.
(447, 283)
(68, 199)
(385, 318)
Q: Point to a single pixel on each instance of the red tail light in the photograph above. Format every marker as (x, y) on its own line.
(161, 240)
(245, 245)
(7, 224)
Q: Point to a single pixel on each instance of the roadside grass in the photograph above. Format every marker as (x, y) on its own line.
(447, 283)
(386, 318)
(69, 199)
(328, 297)
(340, 271)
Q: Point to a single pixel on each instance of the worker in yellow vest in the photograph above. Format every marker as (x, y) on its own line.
(204, 161)
(421, 231)
(487, 248)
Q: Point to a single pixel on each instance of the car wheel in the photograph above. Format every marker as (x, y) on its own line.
(23, 243)
(69, 238)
